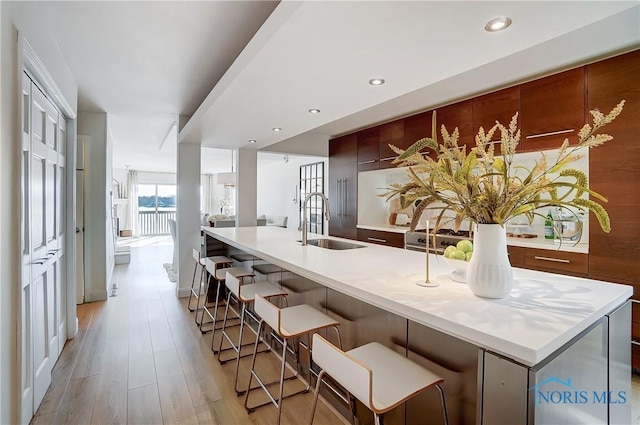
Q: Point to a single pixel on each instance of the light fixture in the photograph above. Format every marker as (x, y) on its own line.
(276, 129)
(376, 81)
(498, 24)
(314, 111)
(252, 141)
(227, 179)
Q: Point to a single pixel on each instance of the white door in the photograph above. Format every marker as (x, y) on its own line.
(44, 277)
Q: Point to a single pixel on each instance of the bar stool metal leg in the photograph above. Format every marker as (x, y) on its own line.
(193, 280)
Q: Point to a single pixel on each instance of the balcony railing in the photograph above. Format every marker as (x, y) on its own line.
(155, 223)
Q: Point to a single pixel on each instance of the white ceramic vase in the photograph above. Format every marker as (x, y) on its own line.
(489, 274)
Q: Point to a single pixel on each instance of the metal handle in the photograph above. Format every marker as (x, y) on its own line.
(40, 262)
(344, 194)
(551, 133)
(339, 197)
(377, 240)
(389, 158)
(555, 260)
(371, 161)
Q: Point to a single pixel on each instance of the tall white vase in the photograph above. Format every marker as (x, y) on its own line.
(489, 274)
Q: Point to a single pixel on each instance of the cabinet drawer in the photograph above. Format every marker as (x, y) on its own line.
(381, 238)
(572, 263)
(516, 256)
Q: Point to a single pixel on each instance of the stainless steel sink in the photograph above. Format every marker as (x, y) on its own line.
(333, 244)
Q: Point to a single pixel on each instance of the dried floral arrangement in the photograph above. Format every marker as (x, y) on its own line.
(485, 187)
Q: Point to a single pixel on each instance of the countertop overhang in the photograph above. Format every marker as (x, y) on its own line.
(543, 312)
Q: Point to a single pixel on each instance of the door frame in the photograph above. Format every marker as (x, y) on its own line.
(29, 63)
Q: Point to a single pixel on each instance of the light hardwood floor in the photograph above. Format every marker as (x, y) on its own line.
(140, 359)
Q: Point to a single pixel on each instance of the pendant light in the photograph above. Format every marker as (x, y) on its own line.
(228, 179)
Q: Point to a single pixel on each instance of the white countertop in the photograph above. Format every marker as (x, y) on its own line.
(543, 312)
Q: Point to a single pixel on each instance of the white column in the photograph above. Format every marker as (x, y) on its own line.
(247, 181)
(188, 213)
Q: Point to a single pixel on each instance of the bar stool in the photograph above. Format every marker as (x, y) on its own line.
(199, 262)
(219, 277)
(212, 264)
(287, 323)
(245, 294)
(376, 375)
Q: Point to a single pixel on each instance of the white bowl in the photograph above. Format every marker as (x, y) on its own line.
(460, 272)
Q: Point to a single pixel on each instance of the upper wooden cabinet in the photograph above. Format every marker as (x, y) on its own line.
(391, 133)
(457, 115)
(497, 106)
(418, 127)
(614, 169)
(553, 108)
(343, 186)
(368, 149)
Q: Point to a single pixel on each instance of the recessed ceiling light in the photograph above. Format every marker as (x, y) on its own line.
(314, 111)
(498, 24)
(376, 81)
(277, 129)
(252, 141)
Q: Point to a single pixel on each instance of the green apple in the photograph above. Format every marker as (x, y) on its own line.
(456, 254)
(448, 250)
(467, 256)
(465, 245)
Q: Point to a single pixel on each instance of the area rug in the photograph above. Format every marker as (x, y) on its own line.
(170, 272)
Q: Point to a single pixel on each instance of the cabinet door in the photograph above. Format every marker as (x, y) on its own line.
(553, 108)
(457, 115)
(342, 185)
(418, 127)
(614, 168)
(498, 106)
(368, 149)
(379, 237)
(391, 133)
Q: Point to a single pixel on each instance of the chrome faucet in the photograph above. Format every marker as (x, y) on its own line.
(327, 214)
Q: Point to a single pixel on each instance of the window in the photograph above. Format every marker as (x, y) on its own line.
(156, 206)
(312, 180)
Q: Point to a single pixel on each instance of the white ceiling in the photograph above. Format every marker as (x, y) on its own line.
(244, 70)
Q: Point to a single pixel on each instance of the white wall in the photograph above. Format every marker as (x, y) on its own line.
(96, 203)
(188, 217)
(277, 184)
(22, 17)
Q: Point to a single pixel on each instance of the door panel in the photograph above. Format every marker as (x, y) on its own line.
(43, 303)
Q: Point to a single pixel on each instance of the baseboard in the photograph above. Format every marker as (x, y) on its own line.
(184, 292)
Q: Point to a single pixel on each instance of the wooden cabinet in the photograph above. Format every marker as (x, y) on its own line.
(368, 149)
(391, 133)
(497, 106)
(614, 171)
(553, 108)
(563, 262)
(457, 115)
(418, 127)
(379, 237)
(343, 165)
(549, 260)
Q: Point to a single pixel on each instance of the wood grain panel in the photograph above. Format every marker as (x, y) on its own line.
(144, 406)
(112, 385)
(460, 116)
(381, 238)
(175, 401)
(615, 168)
(418, 127)
(368, 149)
(572, 263)
(497, 106)
(552, 104)
(391, 133)
(77, 405)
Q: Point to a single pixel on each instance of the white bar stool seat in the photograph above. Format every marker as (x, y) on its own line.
(219, 277)
(374, 374)
(287, 323)
(212, 265)
(245, 294)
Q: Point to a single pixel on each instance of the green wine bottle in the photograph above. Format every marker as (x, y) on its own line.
(548, 226)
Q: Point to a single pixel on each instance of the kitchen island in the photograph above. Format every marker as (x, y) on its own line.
(497, 356)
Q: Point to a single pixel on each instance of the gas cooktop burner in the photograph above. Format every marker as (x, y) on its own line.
(451, 232)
